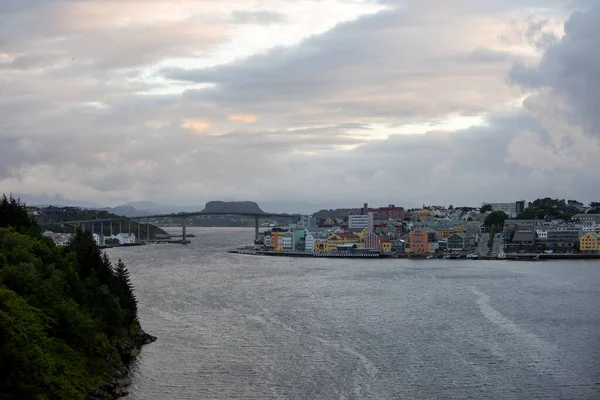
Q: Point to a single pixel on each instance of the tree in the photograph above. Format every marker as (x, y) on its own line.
(125, 292)
(496, 218)
(14, 213)
(485, 208)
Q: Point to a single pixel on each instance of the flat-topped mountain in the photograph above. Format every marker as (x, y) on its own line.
(235, 207)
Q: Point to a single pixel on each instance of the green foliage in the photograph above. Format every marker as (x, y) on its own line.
(548, 208)
(485, 208)
(61, 310)
(13, 213)
(496, 218)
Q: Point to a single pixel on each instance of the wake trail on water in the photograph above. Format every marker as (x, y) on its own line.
(544, 355)
(361, 388)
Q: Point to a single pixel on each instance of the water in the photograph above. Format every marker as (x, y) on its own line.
(233, 326)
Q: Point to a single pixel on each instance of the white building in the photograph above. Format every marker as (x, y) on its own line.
(309, 242)
(286, 241)
(99, 239)
(361, 222)
(509, 208)
(542, 234)
(125, 238)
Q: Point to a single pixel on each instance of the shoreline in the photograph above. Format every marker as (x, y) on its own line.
(509, 257)
(118, 385)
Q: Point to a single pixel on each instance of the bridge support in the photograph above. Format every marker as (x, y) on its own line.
(102, 228)
(148, 230)
(139, 236)
(111, 228)
(183, 233)
(120, 226)
(256, 220)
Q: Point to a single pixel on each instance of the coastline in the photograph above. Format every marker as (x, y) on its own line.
(118, 385)
(509, 257)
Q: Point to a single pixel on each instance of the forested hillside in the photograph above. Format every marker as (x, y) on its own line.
(68, 316)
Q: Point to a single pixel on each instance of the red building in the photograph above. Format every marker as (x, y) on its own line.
(389, 212)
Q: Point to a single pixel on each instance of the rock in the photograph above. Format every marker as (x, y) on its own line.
(124, 381)
(122, 392)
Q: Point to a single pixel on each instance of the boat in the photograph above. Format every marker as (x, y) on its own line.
(501, 255)
(474, 256)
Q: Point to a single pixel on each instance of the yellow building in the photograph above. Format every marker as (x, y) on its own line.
(321, 247)
(386, 246)
(275, 242)
(338, 239)
(589, 243)
(423, 214)
(444, 233)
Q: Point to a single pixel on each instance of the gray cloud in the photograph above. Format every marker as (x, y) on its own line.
(81, 128)
(257, 17)
(570, 68)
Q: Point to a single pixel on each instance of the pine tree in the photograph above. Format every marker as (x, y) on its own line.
(125, 292)
(14, 213)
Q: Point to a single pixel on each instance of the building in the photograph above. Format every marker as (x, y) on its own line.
(125, 238)
(563, 239)
(509, 208)
(390, 212)
(420, 242)
(520, 206)
(267, 240)
(360, 222)
(306, 222)
(287, 241)
(523, 239)
(456, 242)
(340, 238)
(372, 241)
(309, 242)
(587, 218)
(589, 243)
(99, 239)
(443, 234)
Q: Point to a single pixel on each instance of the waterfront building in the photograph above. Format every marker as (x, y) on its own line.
(456, 242)
(309, 242)
(420, 241)
(339, 238)
(287, 241)
(589, 243)
(125, 238)
(99, 239)
(563, 238)
(267, 240)
(372, 241)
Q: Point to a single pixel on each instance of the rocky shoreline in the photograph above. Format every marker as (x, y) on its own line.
(118, 385)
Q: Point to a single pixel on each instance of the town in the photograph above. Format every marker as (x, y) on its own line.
(494, 230)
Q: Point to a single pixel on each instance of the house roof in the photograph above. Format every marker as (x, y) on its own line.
(346, 235)
(459, 234)
(524, 236)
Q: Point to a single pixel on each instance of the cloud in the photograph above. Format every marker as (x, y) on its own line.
(257, 17)
(245, 118)
(81, 116)
(569, 70)
(195, 125)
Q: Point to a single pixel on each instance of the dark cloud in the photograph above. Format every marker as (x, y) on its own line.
(569, 69)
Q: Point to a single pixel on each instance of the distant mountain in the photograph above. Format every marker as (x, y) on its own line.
(249, 207)
(125, 211)
(153, 208)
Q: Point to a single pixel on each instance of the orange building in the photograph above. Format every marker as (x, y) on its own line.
(419, 242)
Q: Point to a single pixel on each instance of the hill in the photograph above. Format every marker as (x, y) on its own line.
(68, 315)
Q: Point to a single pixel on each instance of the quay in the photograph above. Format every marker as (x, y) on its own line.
(340, 254)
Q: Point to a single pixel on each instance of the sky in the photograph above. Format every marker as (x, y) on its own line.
(404, 102)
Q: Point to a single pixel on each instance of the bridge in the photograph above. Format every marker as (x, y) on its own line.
(183, 216)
